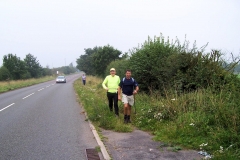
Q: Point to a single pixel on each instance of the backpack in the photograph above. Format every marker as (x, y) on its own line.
(124, 79)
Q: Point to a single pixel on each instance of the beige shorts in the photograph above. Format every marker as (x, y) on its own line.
(128, 99)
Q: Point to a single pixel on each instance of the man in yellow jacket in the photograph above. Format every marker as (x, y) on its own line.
(111, 83)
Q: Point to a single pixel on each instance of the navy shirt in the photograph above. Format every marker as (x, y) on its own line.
(128, 86)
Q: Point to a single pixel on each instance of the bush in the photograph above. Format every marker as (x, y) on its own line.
(160, 65)
(4, 74)
(152, 64)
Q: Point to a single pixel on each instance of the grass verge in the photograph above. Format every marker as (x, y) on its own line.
(204, 120)
(11, 85)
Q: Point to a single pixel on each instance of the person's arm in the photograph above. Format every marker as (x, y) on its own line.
(119, 91)
(104, 84)
(136, 90)
(136, 87)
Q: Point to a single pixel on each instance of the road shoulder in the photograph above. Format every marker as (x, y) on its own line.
(139, 145)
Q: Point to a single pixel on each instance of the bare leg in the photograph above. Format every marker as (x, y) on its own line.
(129, 110)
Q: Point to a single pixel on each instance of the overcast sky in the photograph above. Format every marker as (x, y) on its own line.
(57, 31)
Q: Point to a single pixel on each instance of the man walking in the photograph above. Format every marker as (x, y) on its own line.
(111, 83)
(84, 79)
(129, 88)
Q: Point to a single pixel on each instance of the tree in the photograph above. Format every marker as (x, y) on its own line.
(33, 66)
(15, 66)
(103, 57)
(4, 74)
(47, 71)
(72, 68)
(85, 62)
(96, 60)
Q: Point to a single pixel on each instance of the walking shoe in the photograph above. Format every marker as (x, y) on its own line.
(125, 119)
(128, 119)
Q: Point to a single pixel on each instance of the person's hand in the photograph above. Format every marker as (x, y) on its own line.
(119, 98)
(134, 92)
(107, 89)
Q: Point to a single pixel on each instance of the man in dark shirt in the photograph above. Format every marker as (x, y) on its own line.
(128, 87)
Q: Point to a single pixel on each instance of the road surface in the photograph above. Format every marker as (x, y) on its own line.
(44, 121)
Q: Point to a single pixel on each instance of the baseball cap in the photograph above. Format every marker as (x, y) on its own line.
(112, 69)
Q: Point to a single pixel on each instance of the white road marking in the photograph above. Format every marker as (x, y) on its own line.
(47, 86)
(28, 95)
(40, 89)
(7, 107)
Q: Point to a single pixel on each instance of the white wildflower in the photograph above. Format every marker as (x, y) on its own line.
(221, 149)
(203, 144)
(192, 124)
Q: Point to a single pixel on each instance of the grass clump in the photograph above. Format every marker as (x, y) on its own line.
(15, 84)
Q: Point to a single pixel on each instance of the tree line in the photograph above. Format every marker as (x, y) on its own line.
(14, 68)
(160, 64)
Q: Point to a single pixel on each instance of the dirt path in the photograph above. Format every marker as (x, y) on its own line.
(138, 145)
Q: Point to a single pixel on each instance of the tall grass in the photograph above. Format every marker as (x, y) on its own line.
(192, 119)
(201, 120)
(15, 84)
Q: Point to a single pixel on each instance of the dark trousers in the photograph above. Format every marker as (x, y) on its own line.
(113, 98)
(84, 82)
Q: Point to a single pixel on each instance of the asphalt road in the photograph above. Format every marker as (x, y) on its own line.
(44, 121)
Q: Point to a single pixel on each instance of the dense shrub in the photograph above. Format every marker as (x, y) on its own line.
(4, 74)
(159, 65)
(152, 64)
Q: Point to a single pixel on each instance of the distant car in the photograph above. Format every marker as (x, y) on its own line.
(61, 79)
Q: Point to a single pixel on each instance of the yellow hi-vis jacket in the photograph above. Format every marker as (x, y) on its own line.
(111, 82)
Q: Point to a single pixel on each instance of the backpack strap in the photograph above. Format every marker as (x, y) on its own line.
(132, 79)
(124, 79)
